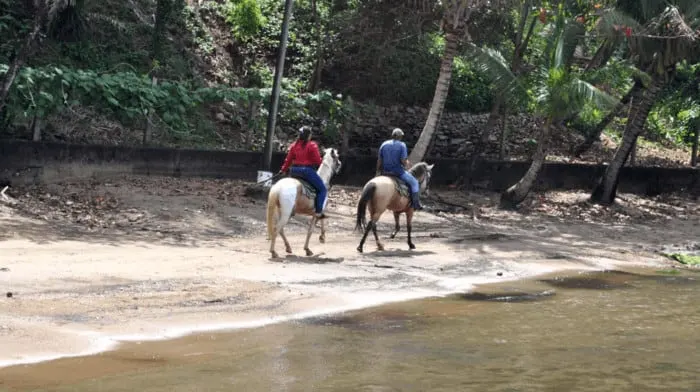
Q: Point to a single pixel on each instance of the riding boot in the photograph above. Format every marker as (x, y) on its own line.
(415, 201)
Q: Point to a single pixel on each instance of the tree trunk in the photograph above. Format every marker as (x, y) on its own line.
(36, 129)
(633, 155)
(642, 102)
(504, 135)
(594, 135)
(518, 192)
(315, 80)
(438, 104)
(148, 131)
(696, 141)
(24, 52)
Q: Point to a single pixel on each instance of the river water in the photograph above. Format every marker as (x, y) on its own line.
(609, 331)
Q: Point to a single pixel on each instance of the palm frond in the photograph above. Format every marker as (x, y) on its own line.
(612, 21)
(493, 64)
(571, 35)
(582, 92)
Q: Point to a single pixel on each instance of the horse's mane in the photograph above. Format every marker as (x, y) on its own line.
(419, 169)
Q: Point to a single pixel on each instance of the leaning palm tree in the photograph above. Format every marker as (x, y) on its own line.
(661, 42)
(59, 17)
(455, 17)
(559, 93)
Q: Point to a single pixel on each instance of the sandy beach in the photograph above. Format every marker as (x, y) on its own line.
(167, 257)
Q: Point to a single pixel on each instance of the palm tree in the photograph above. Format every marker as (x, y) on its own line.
(559, 93)
(61, 18)
(656, 46)
(455, 16)
(41, 12)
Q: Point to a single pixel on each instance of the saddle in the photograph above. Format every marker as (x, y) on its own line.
(401, 186)
(306, 188)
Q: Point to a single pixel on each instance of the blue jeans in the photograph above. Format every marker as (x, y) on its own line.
(411, 181)
(310, 175)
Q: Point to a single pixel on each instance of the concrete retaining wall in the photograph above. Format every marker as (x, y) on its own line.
(32, 162)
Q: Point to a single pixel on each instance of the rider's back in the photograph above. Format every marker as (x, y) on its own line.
(392, 152)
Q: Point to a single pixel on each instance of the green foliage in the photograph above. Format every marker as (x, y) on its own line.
(245, 17)
(677, 115)
(127, 96)
(686, 259)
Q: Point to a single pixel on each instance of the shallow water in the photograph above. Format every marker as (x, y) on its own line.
(592, 332)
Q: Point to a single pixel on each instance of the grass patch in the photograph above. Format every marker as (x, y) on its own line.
(684, 258)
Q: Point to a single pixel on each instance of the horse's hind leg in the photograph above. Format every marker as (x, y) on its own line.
(376, 237)
(287, 247)
(308, 237)
(409, 218)
(322, 237)
(397, 226)
(272, 245)
(369, 227)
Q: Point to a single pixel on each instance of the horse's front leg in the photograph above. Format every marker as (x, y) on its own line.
(397, 225)
(308, 236)
(322, 237)
(409, 218)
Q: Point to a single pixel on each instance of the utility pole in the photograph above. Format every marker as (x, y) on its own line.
(274, 99)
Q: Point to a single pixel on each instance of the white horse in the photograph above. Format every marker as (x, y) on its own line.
(290, 196)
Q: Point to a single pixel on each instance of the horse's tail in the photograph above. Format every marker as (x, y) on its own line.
(367, 195)
(272, 207)
(281, 201)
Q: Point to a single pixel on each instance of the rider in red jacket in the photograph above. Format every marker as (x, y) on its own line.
(303, 159)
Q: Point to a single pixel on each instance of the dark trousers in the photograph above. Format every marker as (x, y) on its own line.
(310, 175)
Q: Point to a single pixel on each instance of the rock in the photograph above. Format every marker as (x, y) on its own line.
(220, 117)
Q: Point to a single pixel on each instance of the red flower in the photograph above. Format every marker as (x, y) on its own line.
(628, 31)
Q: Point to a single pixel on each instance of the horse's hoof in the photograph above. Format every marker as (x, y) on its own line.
(380, 247)
(359, 249)
(322, 239)
(411, 246)
(274, 255)
(392, 236)
(289, 250)
(309, 252)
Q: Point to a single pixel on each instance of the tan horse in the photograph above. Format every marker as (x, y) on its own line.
(287, 198)
(380, 194)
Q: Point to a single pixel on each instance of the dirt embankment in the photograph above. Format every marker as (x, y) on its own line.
(86, 264)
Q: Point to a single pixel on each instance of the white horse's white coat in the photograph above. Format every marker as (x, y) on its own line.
(284, 201)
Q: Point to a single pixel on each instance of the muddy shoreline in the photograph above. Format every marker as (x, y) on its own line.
(148, 258)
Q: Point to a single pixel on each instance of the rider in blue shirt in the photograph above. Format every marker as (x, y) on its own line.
(393, 160)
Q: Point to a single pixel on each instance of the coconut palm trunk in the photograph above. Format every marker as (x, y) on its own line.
(594, 134)
(518, 192)
(24, 52)
(438, 104)
(696, 141)
(642, 102)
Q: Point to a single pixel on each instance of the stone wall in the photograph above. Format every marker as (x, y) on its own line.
(30, 162)
(458, 133)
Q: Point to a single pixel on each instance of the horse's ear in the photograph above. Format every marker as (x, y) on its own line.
(334, 154)
(430, 167)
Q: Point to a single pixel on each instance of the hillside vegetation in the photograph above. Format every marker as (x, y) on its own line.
(197, 73)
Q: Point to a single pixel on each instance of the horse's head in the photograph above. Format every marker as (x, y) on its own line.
(332, 159)
(423, 172)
